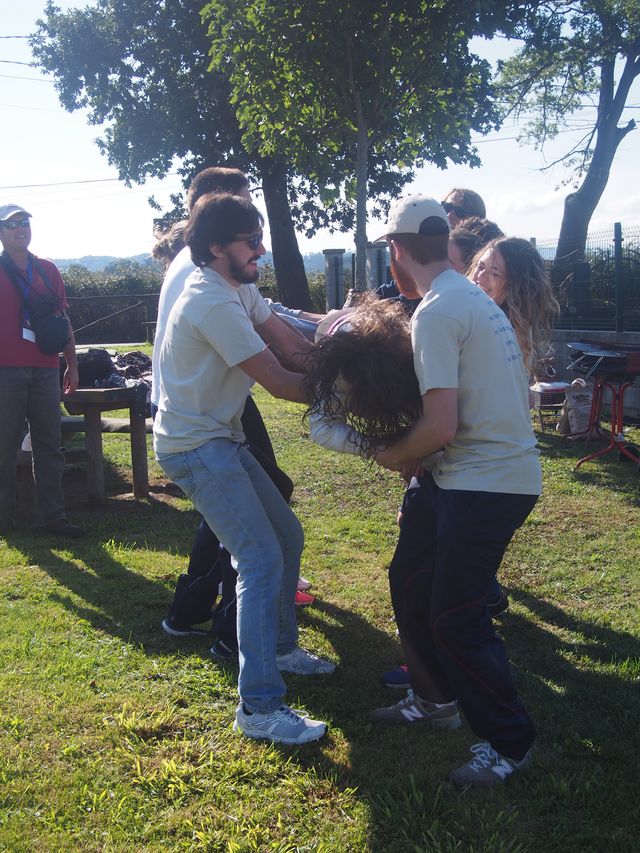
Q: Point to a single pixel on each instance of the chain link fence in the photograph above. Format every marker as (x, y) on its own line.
(603, 291)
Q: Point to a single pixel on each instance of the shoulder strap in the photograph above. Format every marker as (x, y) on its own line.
(43, 276)
(12, 271)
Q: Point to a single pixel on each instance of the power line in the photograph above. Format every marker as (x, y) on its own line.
(15, 62)
(59, 184)
(58, 110)
(33, 79)
(70, 183)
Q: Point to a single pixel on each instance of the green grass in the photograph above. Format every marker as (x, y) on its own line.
(114, 736)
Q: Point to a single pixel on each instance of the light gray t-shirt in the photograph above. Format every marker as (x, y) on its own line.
(173, 284)
(210, 330)
(462, 339)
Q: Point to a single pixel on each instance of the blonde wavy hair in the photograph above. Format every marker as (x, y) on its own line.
(529, 302)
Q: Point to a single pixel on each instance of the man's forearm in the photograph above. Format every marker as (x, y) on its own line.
(422, 440)
(69, 350)
(434, 429)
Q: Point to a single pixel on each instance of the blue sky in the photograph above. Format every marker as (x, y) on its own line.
(51, 165)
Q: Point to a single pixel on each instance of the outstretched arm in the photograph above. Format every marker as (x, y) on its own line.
(289, 345)
(265, 369)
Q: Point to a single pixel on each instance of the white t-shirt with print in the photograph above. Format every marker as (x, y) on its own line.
(462, 339)
(210, 330)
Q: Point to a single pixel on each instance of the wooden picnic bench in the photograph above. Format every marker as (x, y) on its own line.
(90, 403)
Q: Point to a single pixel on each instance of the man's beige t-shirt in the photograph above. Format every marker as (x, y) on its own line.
(202, 390)
(463, 340)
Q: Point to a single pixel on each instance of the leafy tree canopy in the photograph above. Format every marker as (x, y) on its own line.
(356, 95)
(577, 54)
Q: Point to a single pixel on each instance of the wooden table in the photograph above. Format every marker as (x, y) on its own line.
(91, 402)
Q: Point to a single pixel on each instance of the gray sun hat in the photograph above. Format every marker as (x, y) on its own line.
(9, 210)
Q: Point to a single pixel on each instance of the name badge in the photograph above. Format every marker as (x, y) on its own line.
(29, 335)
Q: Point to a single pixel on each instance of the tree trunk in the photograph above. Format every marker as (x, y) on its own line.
(362, 158)
(288, 265)
(580, 205)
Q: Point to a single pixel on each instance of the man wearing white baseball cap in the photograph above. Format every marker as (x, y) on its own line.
(34, 329)
(463, 515)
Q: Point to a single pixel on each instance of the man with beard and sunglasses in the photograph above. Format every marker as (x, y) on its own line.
(209, 562)
(220, 338)
(467, 507)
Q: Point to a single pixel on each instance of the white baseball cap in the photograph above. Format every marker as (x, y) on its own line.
(416, 214)
(9, 210)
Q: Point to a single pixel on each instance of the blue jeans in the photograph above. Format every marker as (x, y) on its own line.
(245, 510)
(31, 393)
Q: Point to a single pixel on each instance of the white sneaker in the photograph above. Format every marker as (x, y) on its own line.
(301, 662)
(304, 584)
(280, 726)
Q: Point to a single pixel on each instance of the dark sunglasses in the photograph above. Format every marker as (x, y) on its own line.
(12, 224)
(252, 242)
(460, 212)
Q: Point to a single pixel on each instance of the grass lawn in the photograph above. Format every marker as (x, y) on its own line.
(114, 736)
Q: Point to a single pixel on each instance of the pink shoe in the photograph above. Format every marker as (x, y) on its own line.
(303, 599)
(304, 584)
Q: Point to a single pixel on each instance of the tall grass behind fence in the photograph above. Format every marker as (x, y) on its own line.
(603, 291)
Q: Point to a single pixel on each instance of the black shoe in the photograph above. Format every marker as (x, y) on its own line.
(222, 652)
(177, 630)
(62, 527)
(499, 605)
(193, 599)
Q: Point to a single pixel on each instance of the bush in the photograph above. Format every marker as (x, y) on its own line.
(113, 305)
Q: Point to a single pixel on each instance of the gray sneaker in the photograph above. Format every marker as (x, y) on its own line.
(413, 710)
(487, 767)
(283, 725)
(301, 662)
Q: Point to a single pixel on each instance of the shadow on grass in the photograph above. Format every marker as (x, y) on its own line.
(579, 680)
(607, 471)
(107, 592)
(585, 677)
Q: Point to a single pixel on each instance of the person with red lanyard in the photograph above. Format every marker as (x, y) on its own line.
(29, 376)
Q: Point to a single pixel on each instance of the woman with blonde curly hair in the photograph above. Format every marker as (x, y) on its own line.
(511, 271)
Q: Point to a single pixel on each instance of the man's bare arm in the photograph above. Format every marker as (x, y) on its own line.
(265, 369)
(70, 380)
(435, 428)
(290, 346)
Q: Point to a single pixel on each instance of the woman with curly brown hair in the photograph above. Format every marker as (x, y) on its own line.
(360, 381)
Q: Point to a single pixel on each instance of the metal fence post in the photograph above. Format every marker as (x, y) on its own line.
(376, 265)
(619, 275)
(334, 274)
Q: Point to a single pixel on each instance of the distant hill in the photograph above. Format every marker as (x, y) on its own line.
(313, 262)
(96, 263)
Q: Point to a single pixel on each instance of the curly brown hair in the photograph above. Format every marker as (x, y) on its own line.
(373, 358)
